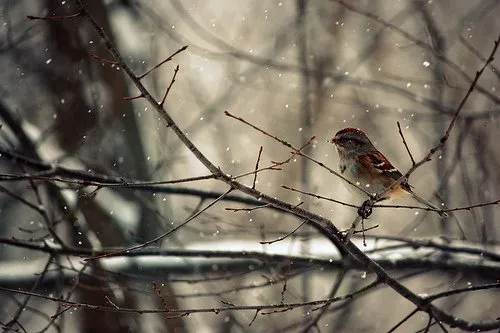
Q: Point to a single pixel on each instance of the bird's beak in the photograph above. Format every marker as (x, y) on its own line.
(334, 141)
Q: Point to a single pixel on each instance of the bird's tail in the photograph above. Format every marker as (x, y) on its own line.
(429, 204)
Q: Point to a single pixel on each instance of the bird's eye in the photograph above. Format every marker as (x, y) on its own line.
(350, 142)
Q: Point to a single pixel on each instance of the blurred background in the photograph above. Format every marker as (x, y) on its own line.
(296, 69)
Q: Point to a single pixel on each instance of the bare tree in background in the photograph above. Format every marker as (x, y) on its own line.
(165, 166)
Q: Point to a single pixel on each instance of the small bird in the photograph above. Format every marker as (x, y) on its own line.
(362, 163)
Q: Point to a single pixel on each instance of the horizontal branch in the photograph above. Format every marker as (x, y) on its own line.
(201, 258)
(215, 309)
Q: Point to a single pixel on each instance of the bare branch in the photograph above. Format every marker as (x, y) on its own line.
(256, 167)
(406, 145)
(157, 239)
(284, 237)
(169, 58)
(169, 86)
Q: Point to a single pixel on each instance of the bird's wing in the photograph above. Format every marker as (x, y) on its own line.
(381, 165)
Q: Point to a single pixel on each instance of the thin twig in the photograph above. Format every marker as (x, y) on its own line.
(99, 58)
(406, 145)
(319, 196)
(257, 167)
(254, 317)
(170, 85)
(140, 77)
(364, 230)
(72, 176)
(285, 236)
(402, 321)
(156, 239)
(474, 51)
(111, 302)
(131, 98)
(434, 297)
(64, 17)
(286, 276)
(285, 306)
(276, 164)
(496, 202)
(234, 210)
(157, 291)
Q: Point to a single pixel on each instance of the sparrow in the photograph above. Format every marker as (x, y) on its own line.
(364, 165)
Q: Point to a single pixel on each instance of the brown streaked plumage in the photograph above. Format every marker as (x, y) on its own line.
(363, 164)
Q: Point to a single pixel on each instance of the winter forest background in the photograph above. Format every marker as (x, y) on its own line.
(129, 200)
